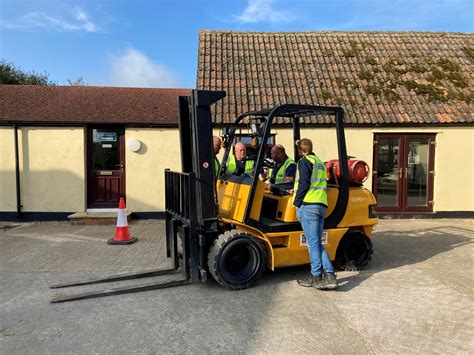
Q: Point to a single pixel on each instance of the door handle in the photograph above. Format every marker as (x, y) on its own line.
(400, 173)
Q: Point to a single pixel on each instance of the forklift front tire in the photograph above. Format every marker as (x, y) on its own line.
(237, 260)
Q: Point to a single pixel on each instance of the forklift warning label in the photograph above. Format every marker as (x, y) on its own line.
(324, 239)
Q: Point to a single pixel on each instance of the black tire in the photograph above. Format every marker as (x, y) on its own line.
(237, 260)
(354, 251)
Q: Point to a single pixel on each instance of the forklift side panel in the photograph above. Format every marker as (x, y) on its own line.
(232, 198)
(296, 251)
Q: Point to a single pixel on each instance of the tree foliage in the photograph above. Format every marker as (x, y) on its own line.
(9, 74)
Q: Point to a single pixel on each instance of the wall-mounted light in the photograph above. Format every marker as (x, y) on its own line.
(134, 145)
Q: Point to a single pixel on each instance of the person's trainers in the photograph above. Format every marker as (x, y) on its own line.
(329, 281)
(309, 280)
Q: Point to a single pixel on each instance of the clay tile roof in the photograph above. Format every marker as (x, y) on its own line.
(88, 104)
(377, 77)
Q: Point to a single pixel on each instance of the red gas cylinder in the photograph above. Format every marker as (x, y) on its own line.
(358, 170)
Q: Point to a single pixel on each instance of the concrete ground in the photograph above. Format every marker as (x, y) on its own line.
(415, 296)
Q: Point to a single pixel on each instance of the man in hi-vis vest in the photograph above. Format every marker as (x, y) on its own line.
(237, 163)
(216, 142)
(311, 202)
(285, 168)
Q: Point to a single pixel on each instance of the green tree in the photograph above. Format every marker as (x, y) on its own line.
(9, 74)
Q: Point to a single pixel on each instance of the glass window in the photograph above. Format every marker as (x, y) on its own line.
(105, 151)
(388, 170)
(417, 177)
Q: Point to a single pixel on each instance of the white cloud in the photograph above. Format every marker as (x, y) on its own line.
(87, 24)
(78, 20)
(135, 69)
(263, 11)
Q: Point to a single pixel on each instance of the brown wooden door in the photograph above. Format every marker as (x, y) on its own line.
(106, 167)
(403, 172)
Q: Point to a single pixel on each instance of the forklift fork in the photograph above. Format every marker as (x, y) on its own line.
(124, 277)
(180, 226)
(119, 290)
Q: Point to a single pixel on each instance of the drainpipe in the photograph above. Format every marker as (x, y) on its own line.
(17, 173)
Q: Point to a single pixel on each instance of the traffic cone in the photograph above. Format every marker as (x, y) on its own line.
(122, 234)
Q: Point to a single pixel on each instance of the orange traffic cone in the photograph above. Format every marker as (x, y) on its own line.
(122, 234)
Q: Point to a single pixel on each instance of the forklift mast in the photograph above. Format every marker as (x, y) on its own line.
(197, 156)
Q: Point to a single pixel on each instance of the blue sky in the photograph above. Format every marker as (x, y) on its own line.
(147, 43)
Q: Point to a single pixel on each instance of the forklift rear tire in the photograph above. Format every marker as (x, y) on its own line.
(237, 260)
(354, 251)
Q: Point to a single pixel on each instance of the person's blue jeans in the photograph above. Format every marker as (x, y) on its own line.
(311, 218)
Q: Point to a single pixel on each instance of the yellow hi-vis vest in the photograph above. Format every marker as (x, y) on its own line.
(217, 166)
(280, 175)
(232, 165)
(317, 189)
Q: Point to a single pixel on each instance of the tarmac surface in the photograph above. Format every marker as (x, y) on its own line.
(415, 296)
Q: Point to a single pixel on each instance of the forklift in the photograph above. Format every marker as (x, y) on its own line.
(230, 226)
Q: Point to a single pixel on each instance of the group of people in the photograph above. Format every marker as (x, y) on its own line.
(309, 198)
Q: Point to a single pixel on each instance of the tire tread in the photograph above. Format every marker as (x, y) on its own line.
(216, 247)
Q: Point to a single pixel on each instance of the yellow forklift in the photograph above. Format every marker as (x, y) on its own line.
(232, 227)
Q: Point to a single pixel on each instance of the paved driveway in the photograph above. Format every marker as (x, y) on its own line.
(416, 296)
